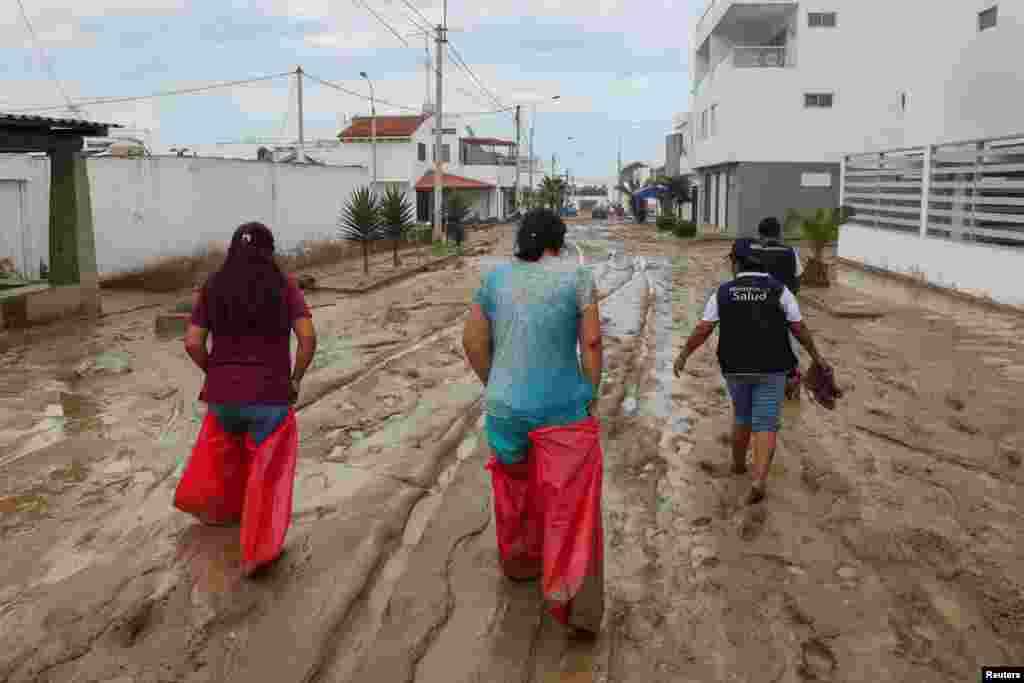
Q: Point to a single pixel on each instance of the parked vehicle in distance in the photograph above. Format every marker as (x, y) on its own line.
(599, 213)
(570, 212)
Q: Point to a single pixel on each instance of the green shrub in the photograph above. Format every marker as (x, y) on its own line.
(685, 228)
(666, 222)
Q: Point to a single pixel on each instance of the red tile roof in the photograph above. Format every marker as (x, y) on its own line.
(489, 141)
(387, 126)
(452, 181)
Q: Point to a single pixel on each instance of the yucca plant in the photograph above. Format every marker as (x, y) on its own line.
(820, 228)
(552, 190)
(360, 221)
(396, 215)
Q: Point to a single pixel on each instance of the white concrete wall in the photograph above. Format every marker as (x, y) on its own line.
(961, 83)
(161, 206)
(976, 269)
(32, 244)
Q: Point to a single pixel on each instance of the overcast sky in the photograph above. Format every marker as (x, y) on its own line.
(620, 67)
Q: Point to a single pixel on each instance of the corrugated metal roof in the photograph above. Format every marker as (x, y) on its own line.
(31, 120)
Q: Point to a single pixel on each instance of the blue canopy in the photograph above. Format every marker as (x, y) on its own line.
(650, 192)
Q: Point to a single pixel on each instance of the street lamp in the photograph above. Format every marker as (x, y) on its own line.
(373, 129)
(533, 116)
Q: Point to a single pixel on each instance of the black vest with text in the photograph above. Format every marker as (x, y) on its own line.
(779, 261)
(754, 334)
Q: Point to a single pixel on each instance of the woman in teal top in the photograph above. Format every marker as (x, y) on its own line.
(521, 339)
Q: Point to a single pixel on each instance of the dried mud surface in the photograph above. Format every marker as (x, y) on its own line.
(887, 548)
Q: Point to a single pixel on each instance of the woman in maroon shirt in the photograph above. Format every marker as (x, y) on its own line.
(251, 308)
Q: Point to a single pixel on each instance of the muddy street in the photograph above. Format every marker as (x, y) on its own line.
(888, 547)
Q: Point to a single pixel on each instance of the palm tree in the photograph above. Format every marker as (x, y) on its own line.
(360, 221)
(552, 191)
(677, 190)
(820, 228)
(396, 216)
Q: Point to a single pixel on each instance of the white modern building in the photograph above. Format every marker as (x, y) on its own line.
(781, 91)
(938, 183)
(483, 167)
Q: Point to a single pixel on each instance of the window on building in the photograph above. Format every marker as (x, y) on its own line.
(819, 100)
(903, 101)
(446, 153)
(821, 19)
(988, 18)
(714, 119)
(703, 132)
(421, 151)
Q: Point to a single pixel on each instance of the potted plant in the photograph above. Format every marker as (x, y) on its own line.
(820, 228)
(360, 221)
(396, 216)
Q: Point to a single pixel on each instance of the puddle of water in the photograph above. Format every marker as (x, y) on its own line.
(73, 415)
(213, 556)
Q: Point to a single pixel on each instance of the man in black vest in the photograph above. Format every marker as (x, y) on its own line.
(782, 262)
(757, 313)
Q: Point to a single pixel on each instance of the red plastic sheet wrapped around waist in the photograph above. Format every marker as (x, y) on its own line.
(548, 519)
(229, 479)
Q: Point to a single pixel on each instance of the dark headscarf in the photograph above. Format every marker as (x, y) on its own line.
(247, 295)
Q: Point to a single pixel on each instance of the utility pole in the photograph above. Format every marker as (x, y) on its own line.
(517, 159)
(301, 158)
(373, 130)
(618, 178)
(533, 116)
(439, 128)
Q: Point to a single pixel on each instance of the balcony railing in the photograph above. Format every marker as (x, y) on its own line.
(760, 56)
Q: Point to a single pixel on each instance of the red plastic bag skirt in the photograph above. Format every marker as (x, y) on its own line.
(548, 520)
(229, 479)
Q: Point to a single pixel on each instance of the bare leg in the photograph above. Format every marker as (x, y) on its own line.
(764, 449)
(740, 444)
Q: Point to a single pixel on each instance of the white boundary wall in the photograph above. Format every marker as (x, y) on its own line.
(978, 269)
(163, 206)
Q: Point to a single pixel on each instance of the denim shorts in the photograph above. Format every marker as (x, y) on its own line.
(757, 399)
(256, 419)
(509, 437)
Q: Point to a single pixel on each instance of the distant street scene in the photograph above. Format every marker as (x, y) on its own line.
(418, 342)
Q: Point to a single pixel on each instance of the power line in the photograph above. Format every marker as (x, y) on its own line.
(42, 58)
(381, 20)
(426, 22)
(165, 93)
(462, 63)
(353, 93)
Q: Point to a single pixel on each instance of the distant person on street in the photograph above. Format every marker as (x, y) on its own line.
(251, 308)
(756, 312)
(527, 320)
(782, 262)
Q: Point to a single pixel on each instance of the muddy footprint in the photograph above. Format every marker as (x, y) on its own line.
(752, 522)
(817, 661)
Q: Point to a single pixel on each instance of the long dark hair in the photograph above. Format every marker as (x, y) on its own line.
(247, 295)
(540, 229)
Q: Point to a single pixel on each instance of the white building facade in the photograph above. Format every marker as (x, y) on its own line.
(782, 90)
(938, 184)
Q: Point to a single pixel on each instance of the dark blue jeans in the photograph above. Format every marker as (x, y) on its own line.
(252, 418)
